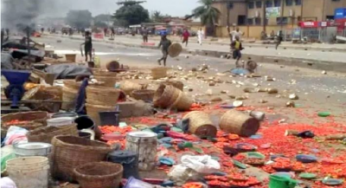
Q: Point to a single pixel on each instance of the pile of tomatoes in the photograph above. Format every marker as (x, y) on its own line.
(232, 180)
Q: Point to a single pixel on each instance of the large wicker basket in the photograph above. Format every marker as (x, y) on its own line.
(177, 84)
(143, 94)
(35, 119)
(46, 134)
(201, 124)
(159, 72)
(107, 81)
(69, 98)
(236, 122)
(129, 86)
(70, 152)
(99, 72)
(99, 175)
(102, 95)
(167, 96)
(72, 84)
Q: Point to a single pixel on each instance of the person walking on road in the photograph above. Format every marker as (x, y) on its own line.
(234, 34)
(145, 33)
(88, 46)
(164, 44)
(279, 39)
(200, 35)
(186, 36)
(237, 48)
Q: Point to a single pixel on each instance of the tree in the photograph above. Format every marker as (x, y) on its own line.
(208, 14)
(79, 18)
(131, 13)
(156, 16)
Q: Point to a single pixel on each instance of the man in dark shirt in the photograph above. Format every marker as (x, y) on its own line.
(145, 33)
(164, 44)
(88, 46)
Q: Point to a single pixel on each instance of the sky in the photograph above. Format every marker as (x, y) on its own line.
(171, 7)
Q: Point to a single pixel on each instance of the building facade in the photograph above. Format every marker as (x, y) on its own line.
(265, 15)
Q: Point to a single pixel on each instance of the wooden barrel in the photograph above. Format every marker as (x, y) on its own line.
(145, 144)
(159, 72)
(69, 98)
(200, 124)
(102, 95)
(108, 81)
(93, 111)
(128, 86)
(236, 122)
(167, 96)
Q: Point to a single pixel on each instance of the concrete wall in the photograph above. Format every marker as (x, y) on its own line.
(239, 8)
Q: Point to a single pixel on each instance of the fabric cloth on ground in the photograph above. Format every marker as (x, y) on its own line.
(68, 71)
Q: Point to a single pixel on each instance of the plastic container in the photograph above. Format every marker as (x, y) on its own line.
(32, 149)
(135, 183)
(128, 159)
(109, 118)
(29, 172)
(306, 158)
(281, 182)
(60, 121)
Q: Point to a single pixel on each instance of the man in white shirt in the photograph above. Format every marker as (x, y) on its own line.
(200, 35)
(236, 33)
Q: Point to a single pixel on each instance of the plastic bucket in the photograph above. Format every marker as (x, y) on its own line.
(281, 182)
(128, 159)
(109, 118)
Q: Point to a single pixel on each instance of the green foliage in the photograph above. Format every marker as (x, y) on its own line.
(208, 14)
(131, 14)
(79, 18)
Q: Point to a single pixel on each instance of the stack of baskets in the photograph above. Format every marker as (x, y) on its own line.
(99, 175)
(31, 120)
(108, 78)
(159, 72)
(46, 134)
(70, 152)
(101, 99)
(69, 94)
(167, 96)
(29, 172)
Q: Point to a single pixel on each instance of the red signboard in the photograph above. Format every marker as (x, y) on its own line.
(309, 24)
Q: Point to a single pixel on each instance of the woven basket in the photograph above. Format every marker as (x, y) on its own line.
(93, 111)
(201, 124)
(128, 86)
(35, 119)
(71, 57)
(70, 152)
(72, 84)
(175, 49)
(112, 66)
(99, 175)
(167, 96)
(177, 84)
(236, 122)
(69, 98)
(104, 73)
(159, 72)
(46, 134)
(108, 81)
(102, 95)
(144, 95)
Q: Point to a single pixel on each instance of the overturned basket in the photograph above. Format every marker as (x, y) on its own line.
(167, 96)
(201, 124)
(143, 94)
(159, 72)
(46, 134)
(70, 152)
(99, 175)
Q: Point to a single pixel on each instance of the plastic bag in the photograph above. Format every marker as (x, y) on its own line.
(16, 135)
(180, 174)
(201, 164)
(7, 183)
